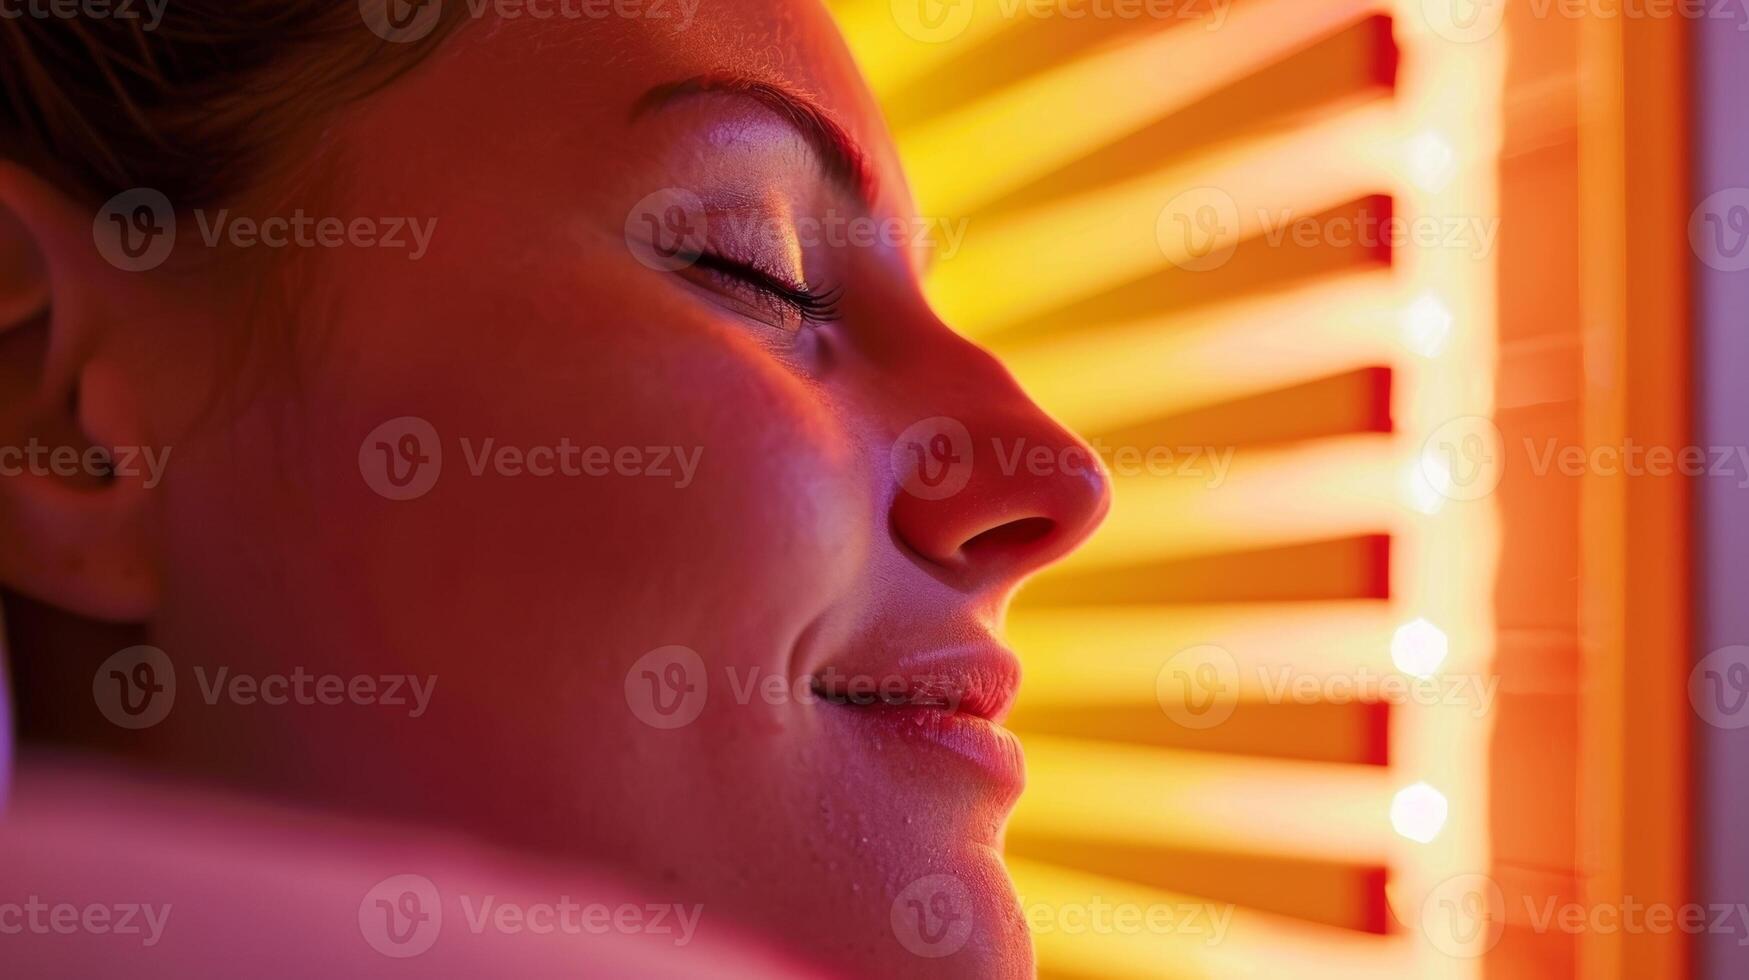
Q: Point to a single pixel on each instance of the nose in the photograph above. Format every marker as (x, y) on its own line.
(989, 487)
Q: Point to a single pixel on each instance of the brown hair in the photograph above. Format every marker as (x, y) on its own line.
(190, 104)
(195, 106)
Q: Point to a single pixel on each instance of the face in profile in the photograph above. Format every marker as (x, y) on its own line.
(668, 481)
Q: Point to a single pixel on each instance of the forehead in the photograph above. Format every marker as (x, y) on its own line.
(520, 77)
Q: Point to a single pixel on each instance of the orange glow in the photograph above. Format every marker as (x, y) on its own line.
(1094, 170)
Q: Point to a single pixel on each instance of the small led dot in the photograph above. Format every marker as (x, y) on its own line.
(1432, 161)
(1418, 812)
(1423, 495)
(1427, 325)
(1418, 648)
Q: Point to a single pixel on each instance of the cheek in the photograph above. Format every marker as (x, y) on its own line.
(713, 500)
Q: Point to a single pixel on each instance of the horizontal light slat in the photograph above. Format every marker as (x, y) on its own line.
(1098, 380)
(1086, 245)
(1165, 71)
(1265, 497)
(1250, 944)
(1205, 801)
(1101, 655)
(891, 58)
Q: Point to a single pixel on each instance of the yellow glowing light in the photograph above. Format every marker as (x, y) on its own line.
(1424, 483)
(1418, 812)
(1426, 325)
(1432, 161)
(1418, 648)
(1090, 236)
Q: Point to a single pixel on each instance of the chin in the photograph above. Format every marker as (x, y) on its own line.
(965, 922)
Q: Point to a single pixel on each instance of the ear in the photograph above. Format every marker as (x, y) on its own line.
(74, 490)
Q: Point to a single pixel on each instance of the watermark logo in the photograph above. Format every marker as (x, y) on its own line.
(306, 689)
(1098, 917)
(932, 916)
(301, 229)
(1214, 11)
(1464, 916)
(99, 462)
(1633, 917)
(147, 13)
(940, 21)
(42, 918)
(402, 458)
(135, 688)
(666, 229)
(1464, 459)
(1464, 21)
(1207, 463)
(1199, 229)
(667, 687)
(1467, 21)
(135, 230)
(569, 917)
(1470, 234)
(401, 21)
(1718, 687)
(933, 21)
(932, 459)
(401, 916)
(569, 459)
(1718, 230)
(1198, 687)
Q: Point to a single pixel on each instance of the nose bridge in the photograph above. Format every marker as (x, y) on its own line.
(988, 485)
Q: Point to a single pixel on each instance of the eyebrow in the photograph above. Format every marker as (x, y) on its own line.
(840, 155)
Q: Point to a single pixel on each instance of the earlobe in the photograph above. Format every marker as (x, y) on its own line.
(73, 523)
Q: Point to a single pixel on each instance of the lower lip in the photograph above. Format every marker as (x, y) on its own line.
(965, 739)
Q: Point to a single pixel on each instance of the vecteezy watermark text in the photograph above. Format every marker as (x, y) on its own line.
(149, 13)
(403, 915)
(38, 917)
(406, 21)
(668, 687)
(1098, 917)
(136, 688)
(401, 459)
(1467, 233)
(670, 228)
(35, 459)
(300, 230)
(300, 687)
(1465, 916)
(569, 459)
(1201, 687)
(935, 459)
(1466, 458)
(940, 21)
(135, 230)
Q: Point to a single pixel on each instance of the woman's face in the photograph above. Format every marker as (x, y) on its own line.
(689, 609)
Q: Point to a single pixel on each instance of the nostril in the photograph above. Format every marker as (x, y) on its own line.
(1015, 535)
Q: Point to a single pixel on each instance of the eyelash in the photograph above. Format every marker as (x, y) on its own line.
(813, 304)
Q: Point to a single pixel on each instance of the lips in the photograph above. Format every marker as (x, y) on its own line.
(943, 706)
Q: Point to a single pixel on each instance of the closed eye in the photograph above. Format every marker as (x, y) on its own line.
(809, 303)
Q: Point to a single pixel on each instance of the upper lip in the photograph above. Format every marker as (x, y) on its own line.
(978, 678)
